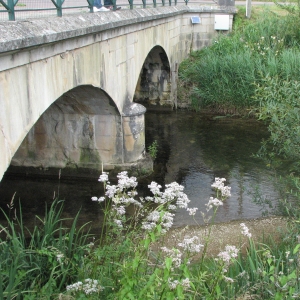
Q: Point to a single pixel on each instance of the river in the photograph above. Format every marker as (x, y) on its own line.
(193, 149)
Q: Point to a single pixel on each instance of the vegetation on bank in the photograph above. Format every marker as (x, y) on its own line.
(255, 69)
(224, 76)
(125, 262)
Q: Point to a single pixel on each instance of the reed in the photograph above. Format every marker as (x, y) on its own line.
(44, 259)
(222, 77)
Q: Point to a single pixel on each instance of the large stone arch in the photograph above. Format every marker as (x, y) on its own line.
(84, 129)
(154, 82)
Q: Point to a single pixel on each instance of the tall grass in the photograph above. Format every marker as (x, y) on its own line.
(222, 77)
(131, 260)
(41, 261)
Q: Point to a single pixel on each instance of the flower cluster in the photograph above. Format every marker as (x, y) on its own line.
(165, 219)
(245, 230)
(219, 185)
(191, 245)
(89, 286)
(230, 253)
(174, 254)
(173, 192)
(213, 202)
(185, 283)
(265, 44)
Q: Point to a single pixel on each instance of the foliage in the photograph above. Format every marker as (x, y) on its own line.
(41, 261)
(128, 261)
(153, 148)
(279, 105)
(222, 77)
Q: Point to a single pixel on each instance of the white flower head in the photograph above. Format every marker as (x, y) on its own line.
(155, 188)
(89, 286)
(213, 202)
(101, 199)
(125, 182)
(172, 283)
(219, 185)
(191, 245)
(245, 230)
(192, 211)
(103, 177)
(230, 253)
(119, 223)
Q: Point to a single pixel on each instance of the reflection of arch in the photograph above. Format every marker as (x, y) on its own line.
(154, 83)
(82, 128)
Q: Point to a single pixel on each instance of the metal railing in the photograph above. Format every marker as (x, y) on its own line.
(23, 9)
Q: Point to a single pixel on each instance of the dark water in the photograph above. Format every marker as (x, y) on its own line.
(193, 149)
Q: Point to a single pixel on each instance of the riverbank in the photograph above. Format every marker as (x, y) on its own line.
(262, 229)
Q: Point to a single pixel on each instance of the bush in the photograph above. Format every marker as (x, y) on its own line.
(222, 77)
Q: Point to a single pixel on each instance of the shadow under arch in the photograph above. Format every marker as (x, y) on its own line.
(81, 129)
(154, 84)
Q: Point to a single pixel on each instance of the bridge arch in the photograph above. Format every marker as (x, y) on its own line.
(154, 82)
(83, 128)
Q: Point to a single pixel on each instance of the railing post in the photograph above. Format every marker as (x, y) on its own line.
(114, 4)
(59, 7)
(154, 3)
(58, 4)
(170, 2)
(91, 5)
(186, 2)
(11, 9)
(130, 4)
(163, 2)
(144, 3)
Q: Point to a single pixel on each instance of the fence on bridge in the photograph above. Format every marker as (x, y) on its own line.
(24, 9)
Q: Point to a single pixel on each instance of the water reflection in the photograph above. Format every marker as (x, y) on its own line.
(193, 150)
(202, 147)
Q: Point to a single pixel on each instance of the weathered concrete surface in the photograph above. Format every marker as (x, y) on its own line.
(41, 60)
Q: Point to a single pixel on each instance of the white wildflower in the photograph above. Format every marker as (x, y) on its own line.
(111, 190)
(186, 283)
(192, 211)
(101, 199)
(230, 253)
(174, 254)
(124, 182)
(119, 223)
(103, 177)
(89, 286)
(245, 230)
(154, 218)
(120, 210)
(228, 279)
(191, 245)
(59, 257)
(213, 202)
(172, 284)
(219, 185)
(172, 207)
(155, 188)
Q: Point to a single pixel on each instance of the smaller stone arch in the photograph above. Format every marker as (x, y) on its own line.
(154, 84)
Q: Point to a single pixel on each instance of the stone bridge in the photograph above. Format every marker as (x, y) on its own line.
(74, 90)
